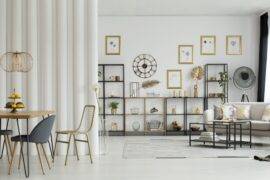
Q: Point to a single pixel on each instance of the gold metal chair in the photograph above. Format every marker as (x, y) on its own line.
(90, 110)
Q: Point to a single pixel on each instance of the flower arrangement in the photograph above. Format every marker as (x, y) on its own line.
(197, 73)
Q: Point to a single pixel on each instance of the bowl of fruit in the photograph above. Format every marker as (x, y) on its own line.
(13, 104)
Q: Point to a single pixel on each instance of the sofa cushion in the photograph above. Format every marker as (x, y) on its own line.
(266, 113)
(260, 125)
(243, 112)
(256, 110)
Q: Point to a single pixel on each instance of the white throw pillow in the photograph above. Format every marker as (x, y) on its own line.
(229, 112)
(266, 113)
(243, 112)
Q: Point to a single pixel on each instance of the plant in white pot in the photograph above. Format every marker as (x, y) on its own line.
(114, 106)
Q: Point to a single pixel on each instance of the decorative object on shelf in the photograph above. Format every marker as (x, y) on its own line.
(175, 126)
(174, 79)
(234, 45)
(100, 74)
(197, 74)
(174, 110)
(144, 65)
(154, 125)
(14, 105)
(114, 126)
(117, 78)
(244, 79)
(197, 110)
(212, 78)
(208, 45)
(153, 110)
(223, 81)
(134, 110)
(150, 84)
(113, 45)
(194, 128)
(136, 126)
(180, 93)
(16, 62)
(114, 106)
(185, 54)
(134, 89)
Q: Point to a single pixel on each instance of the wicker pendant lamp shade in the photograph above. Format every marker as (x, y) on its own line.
(16, 62)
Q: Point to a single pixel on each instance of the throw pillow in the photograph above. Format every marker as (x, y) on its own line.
(218, 113)
(243, 112)
(229, 112)
(266, 113)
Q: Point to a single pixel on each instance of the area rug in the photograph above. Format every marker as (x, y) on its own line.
(178, 149)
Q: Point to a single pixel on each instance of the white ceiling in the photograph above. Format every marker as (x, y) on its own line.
(182, 7)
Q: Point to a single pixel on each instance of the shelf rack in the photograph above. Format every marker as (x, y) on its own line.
(207, 81)
(104, 82)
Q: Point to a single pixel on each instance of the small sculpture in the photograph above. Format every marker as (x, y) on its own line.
(175, 126)
(153, 110)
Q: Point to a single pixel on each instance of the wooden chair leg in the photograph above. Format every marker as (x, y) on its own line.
(56, 139)
(89, 149)
(20, 157)
(76, 148)
(40, 161)
(12, 158)
(44, 153)
(7, 148)
(68, 149)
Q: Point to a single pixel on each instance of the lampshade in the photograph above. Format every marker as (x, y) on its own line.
(16, 62)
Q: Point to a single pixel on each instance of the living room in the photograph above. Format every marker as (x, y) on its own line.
(125, 89)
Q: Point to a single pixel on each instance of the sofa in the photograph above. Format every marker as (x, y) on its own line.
(259, 126)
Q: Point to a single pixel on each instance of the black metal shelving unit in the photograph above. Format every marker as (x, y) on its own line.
(104, 82)
(185, 114)
(208, 81)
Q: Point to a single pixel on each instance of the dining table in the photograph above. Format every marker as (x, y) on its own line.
(26, 117)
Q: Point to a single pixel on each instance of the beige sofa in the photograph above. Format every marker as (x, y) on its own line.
(259, 127)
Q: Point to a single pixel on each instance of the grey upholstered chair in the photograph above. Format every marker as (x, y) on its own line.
(88, 110)
(39, 135)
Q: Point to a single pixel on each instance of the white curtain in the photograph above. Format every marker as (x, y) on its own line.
(62, 38)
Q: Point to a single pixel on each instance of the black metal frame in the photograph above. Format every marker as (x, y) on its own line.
(104, 98)
(207, 81)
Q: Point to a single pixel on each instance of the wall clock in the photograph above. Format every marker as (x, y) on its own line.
(144, 65)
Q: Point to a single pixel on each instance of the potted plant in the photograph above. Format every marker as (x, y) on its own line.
(114, 106)
(223, 80)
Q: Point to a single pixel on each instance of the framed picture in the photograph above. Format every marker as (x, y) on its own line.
(208, 45)
(234, 45)
(113, 45)
(174, 79)
(185, 54)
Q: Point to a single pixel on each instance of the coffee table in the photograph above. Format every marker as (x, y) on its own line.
(231, 129)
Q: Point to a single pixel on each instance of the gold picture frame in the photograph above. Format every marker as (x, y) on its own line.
(174, 79)
(208, 45)
(185, 54)
(112, 45)
(234, 45)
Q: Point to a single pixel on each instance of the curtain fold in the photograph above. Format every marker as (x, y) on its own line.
(262, 75)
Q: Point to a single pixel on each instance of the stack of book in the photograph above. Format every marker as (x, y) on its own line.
(208, 136)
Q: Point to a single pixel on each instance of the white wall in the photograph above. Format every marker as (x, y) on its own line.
(160, 36)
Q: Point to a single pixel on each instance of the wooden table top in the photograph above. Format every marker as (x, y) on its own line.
(24, 114)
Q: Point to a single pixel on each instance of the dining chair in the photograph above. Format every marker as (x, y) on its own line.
(39, 136)
(88, 110)
(6, 142)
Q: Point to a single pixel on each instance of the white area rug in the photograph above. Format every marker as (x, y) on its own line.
(172, 148)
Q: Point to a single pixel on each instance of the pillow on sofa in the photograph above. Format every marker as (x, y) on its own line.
(243, 112)
(218, 112)
(229, 112)
(266, 113)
